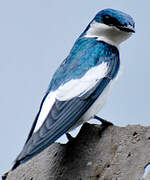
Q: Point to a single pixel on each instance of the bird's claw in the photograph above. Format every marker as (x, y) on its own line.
(69, 137)
(104, 125)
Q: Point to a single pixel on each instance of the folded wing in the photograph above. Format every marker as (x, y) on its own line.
(66, 106)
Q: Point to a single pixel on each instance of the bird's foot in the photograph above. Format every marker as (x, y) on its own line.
(104, 125)
(103, 121)
(69, 137)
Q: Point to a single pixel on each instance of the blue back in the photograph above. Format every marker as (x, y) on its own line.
(85, 54)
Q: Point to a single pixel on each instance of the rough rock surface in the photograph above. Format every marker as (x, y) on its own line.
(116, 153)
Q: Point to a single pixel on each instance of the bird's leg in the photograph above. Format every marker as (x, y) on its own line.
(105, 123)
(69, 137)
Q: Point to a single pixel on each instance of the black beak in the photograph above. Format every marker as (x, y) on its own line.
(126, 29)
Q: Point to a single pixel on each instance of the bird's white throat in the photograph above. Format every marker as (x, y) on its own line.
(108, 34)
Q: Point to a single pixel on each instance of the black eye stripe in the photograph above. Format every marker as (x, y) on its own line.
(110, 20)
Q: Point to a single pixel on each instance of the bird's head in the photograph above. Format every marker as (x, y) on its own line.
(111, 26)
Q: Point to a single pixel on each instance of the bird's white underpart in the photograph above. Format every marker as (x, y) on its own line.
(71, 89)
(109, 34)
(98, 104)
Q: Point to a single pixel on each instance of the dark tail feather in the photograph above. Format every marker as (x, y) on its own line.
(4, 176)
(17, 163)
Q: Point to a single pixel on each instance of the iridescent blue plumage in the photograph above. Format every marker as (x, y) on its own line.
(76, 64)
(123, 19)
(80, 82)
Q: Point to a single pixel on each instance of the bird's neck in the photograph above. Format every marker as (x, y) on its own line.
(108, 34)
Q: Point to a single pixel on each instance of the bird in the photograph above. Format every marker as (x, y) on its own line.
(79, 87)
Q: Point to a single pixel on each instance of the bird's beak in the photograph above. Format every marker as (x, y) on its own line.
(128, 28)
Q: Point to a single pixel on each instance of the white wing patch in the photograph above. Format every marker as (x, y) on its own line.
(78, 87)
(47, 105)
(71, 89)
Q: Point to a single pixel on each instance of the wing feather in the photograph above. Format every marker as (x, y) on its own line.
(72, 100)
(63, 119)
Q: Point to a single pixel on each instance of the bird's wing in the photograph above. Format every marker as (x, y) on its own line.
(66, 105)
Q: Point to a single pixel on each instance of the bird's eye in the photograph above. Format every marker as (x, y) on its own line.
(111, 21)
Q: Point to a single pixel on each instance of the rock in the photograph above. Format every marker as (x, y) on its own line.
(116, 153)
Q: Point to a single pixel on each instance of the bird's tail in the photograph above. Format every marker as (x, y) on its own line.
(16, 164)
(4, 176)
